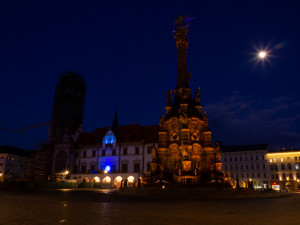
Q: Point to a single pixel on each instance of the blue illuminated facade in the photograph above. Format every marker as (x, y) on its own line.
(109, 138)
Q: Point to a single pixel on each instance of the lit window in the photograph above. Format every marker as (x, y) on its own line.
(107, 179)
(271, 160)
(296, 166)
(281, 159)
(130, 179)
(274, 159)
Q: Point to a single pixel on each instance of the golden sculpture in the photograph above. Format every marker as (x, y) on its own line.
(185, 152)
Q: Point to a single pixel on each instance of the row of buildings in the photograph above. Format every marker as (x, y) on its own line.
(102, 156)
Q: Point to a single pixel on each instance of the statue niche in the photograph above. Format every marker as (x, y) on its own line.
(175, 156)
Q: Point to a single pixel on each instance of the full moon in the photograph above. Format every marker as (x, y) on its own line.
(262, 54)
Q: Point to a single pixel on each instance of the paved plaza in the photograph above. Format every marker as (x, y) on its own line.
(47, 207)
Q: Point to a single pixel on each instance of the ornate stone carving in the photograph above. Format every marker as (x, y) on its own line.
(197, 97)
(162, 122)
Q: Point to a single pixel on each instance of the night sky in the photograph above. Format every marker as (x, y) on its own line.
(126, 52)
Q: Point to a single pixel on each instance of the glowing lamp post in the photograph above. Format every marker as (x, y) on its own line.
(107, 169)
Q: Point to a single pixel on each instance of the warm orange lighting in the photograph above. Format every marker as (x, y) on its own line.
(1, 174)
(282, 154)
(118, 179)
(130, 179)
(107, 179)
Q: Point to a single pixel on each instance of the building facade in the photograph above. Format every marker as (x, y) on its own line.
(247, 165)
(14, 164)
(285, 169)
(106, 155)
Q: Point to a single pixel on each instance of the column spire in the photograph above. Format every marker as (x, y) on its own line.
(180, 36)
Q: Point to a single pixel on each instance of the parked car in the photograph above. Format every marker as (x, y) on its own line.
(284, 190)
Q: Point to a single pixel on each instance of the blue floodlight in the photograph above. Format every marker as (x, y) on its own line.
(107, 168)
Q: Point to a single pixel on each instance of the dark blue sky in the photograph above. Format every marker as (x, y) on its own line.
(126, 51)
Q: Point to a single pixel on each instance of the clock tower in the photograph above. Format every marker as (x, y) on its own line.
(185, 152)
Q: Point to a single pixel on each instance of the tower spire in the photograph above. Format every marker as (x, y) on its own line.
(180, 36)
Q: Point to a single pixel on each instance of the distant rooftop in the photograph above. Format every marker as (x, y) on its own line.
(244, 148)
(13, 151)
(124, 133)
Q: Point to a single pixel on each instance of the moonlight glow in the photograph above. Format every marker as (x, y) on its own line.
(262, 54)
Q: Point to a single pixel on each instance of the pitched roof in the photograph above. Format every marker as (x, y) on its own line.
(243, 148)
(125, 133)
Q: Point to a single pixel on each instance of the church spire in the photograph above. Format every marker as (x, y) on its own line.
(181, 31)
